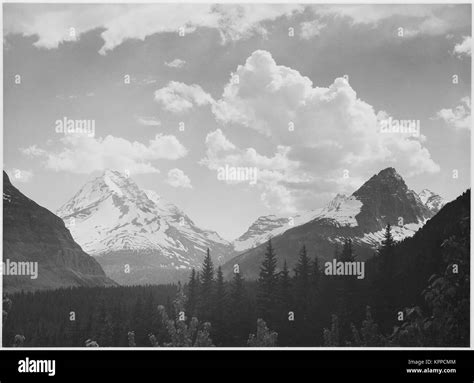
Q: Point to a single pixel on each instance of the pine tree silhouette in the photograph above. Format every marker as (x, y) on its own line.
(302, 284)
(218, 321)
(192, 295)
(206, 293)
(267, 286)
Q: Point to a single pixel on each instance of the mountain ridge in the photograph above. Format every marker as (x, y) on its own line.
(135, 234)
(339, 212)
(31, 233)
(384, 198)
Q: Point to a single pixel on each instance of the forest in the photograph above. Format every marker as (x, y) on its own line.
(414, 293)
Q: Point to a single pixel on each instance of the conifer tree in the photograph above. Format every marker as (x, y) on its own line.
(285, 305)
(315, 306)
(206, 293)
(345, 294)
(285, 287)
(238, 313)
(237, 291)
(179, 302)
(347, 254)
(105, 336)
(267, 284)
(315, 276)
(302, 283)
(384, 284)
(191, 303)
(388, 241)
(218, 322)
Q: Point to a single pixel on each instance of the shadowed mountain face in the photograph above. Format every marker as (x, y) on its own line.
(383, 199)
(386, 199)
(32, 233)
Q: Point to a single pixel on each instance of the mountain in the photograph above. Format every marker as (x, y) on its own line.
(269, 226)
(421, 256)
(362, 216)
(383, 198)
(433, 201)
(340, 211)
(35, 238)
(137, 236)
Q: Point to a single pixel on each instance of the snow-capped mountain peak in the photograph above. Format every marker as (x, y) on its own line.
(425, 194)
(111, 214)
(264, 228)
(433, 201)
(383, 198)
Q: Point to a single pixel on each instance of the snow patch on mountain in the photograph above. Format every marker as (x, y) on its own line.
(433, 201)
(111, 213)
(341, 211)
(398, 232)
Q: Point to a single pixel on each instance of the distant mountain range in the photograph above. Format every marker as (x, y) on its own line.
(137, 237)
(383, 199)
(342, 212)
(35, 238)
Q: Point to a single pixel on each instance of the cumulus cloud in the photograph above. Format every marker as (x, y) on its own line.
(178, 179)
(176, 63)
(241, 21)
(19, 175)
(81, 154)
(33, 151)
(221, 152)
(310, 29)
(464, 47)
(148, 121)
(458, 117)
(323, 130)
(426, 19)
(121, 22)
(178, 97)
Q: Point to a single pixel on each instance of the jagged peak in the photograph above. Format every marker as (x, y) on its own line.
(387, 176)
(426, 191)
(114, 174)
(390, 172)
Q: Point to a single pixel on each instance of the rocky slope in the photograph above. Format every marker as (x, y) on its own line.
(32, 233)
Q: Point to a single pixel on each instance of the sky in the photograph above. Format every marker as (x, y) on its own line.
(178, 93)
